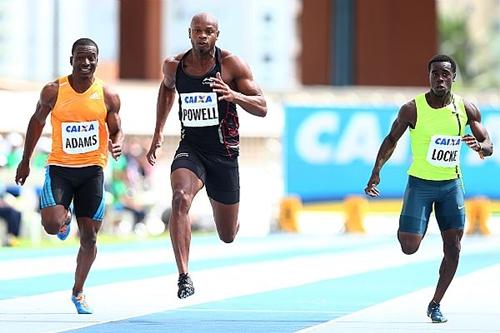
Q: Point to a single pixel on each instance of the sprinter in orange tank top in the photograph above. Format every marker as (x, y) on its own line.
(85, 126)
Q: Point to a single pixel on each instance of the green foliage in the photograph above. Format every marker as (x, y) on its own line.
(455, 42)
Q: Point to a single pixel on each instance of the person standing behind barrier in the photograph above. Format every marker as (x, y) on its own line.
(12, 218)
(437, 121)
(85, 125)
(210, 82)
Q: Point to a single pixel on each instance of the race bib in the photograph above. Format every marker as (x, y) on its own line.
(81, 137)
(444, 150)
(199, 109)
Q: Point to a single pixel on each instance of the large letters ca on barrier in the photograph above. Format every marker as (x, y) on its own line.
(329, 153)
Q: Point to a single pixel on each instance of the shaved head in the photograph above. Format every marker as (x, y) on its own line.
(205, 18)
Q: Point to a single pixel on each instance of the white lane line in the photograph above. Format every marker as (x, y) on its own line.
(471, 305)
(32, 267)
(53, 312)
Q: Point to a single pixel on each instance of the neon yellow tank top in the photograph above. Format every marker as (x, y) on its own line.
(436, 140)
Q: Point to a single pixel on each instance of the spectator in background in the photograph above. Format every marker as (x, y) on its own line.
(14, 156)
(4, 151)
(12, 218)
(124, 189)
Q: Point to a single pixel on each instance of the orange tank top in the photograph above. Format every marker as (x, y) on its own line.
(79, 130)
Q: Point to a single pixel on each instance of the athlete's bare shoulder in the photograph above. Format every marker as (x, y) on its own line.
(111, 98)
(51, 87)
(408, 113)
(472, 111)
(169, 69)
(230, 59)
(234, 65)
(48, 95)
(172, 62)
(410, 105)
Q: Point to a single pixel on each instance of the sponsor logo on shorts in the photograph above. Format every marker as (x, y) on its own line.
(181, 155)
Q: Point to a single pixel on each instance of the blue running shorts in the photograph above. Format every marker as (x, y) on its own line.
(421, 196)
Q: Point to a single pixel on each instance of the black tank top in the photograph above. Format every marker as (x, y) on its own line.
(206, 123)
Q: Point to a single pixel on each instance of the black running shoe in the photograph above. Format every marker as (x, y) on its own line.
(434, 312)
(186, 287)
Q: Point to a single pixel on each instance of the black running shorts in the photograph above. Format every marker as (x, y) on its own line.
(85, 186)
(219, 174)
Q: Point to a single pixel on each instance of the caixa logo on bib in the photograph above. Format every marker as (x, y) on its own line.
(81, 137)
(198, 99)
(80, 128)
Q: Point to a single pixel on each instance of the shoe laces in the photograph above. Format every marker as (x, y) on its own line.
(81, 299)
(435, 307)
(184, 279)
(437, 311)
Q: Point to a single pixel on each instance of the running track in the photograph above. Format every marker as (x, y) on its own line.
(278, 283)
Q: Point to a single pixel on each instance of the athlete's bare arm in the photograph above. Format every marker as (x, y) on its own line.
(238, 86)
(115, 142)
(166, 97)
(407, 117)
(48, 97)
(480, 141)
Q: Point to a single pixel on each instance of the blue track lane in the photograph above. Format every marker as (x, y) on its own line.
(55, 282)
(292, 309)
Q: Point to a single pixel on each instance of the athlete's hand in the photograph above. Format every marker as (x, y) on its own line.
(222, 89)
(472, 142)
(115, 149)
(22, 172)
(371, 188)
(155, 144)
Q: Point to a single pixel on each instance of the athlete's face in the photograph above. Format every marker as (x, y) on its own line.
(84, 60)
(441, 78)
(203, 34)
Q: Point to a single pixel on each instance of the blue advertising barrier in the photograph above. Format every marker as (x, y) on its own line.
(329, 153)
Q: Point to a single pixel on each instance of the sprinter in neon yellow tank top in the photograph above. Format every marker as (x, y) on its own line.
(85, 126)
(436, 121)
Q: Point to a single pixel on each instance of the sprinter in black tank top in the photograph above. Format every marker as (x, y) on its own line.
(210, 83)
(207, 123)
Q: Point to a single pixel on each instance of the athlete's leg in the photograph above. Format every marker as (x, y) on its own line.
(89, 208)
(55, 199)
(88, 249)
(450, 215)
(223, 189)
(414, 219)
(409, 242)
(451, 250)
(226, 220)
(53, 218)
(185, 185)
